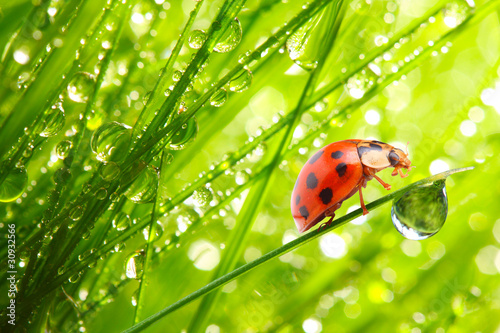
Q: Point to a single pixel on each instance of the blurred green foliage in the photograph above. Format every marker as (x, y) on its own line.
(126, 211)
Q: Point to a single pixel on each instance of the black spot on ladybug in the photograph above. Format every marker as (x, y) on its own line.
(393, 158)
(311, 181)
(326, 195)
(375, 146)
(341, 169)
(297, 200)
(382, 143)
(337, 154)
(304, 212)
(315, 157)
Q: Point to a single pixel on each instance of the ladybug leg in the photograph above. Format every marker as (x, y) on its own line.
(326, 225)
(384, 184)
(365, 211)
(401, 174)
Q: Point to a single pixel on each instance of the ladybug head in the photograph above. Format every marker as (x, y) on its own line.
(399, 160)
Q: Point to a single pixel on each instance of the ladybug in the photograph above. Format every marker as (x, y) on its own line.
(337, 172)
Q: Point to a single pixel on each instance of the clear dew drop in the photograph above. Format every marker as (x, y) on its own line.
(230, 38)
(13, 185)
(202, 196)
(158, 231)
(121, 221)
(53, 121)
(421, 212)
(455, 13)
(134, 265)
(241, 81)
(110, 142)
(219, 98)
(241, 177)
(76, 213)
(81, 87)
(109, 171)
(197, 38)
(143, 189)
(185, 135)
(63, 148)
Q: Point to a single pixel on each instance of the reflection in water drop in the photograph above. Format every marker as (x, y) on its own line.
(230, 38)
(13, 185)
(54, 121)
(134, 265)
(110, 142)
(421, 212)
(185, 135)
(81, 87)
(197, 38)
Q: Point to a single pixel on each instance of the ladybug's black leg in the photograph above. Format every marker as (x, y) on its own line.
(384, 184)
(365, 211)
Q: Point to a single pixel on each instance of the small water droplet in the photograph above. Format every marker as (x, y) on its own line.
(109, 171)
(219, 98)
(62, 175)
(421, 212)
(230, 38)
(197, 38)
(241, 81)
(185, 135)
(134, 265)
(121, 221)
(241, 177)
(101, 194)
(177, 75)
(76, 213)
(14, 184)
(110, 142)
(53, 121)
(202, 196)
(455, 13)
(74, 278)
(63, 148)
(158, 231)
(81, 87)
(143, 189)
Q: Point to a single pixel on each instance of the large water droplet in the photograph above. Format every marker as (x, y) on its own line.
(202, 196)
(110, 142)
(121, 221)
(81, 87)
(134, 265)
(185, 135)
(230, 38)
(305, 44)
(158, 231)
(197, 38)
(241, 81)
(219, 98)
(144, 188)
(421, 212)
(13, 185)
(53, 121)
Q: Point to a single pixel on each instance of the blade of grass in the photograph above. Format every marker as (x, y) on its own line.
(285, 249)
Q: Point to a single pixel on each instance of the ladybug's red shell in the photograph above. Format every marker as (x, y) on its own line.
(329, 177)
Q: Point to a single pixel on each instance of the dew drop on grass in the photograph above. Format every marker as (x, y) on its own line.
(109, 171)
(421, 212)
(185, 135)
(241, 81)
(81, 87)
(230, 38)
(219, 98)
(177, 76)
(110, 142)
(13, 185)
(74, 278)
(455, 13)
(63, 148)
(197, 38)
(61, 175)
(121, 221)
(101, 194)
(76, 213)
(134, 265)
(241, 177)
(54, 121)
(158, 231)
(143, 189)
(202, 196)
